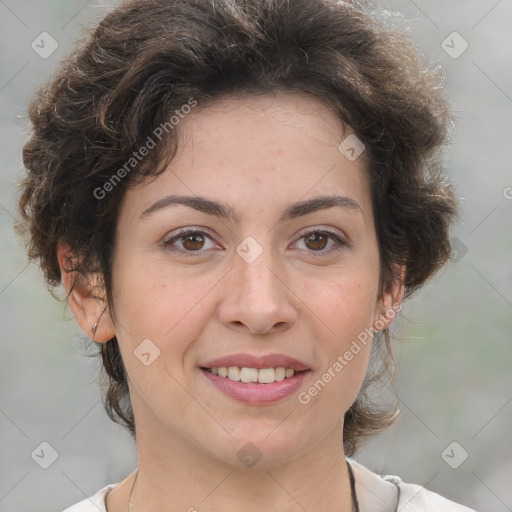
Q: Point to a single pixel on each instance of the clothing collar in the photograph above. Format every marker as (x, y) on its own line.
(373, 491)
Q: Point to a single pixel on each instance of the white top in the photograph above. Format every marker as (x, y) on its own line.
(374, 493)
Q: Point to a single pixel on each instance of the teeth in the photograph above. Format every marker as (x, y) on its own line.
(234, 373)
(261, 375)
(249, 374)
(266, 375)
(280, 373)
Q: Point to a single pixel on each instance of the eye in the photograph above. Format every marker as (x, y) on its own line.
(189, 241)
(316, 240)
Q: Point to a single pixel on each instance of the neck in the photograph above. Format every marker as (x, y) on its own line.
(184, 477)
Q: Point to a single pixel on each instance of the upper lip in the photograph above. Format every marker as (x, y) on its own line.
(249, 361)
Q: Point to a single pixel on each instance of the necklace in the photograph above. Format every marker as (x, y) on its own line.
(355, 503)
(130, 503)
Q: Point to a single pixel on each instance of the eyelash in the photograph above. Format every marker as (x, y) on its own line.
(192, 231)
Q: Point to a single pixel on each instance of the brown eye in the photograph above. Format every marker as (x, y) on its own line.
(316, 240)
(189, 242)
(193, 242)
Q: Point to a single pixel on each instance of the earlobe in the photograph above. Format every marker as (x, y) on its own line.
(86, 297)
(390, 303)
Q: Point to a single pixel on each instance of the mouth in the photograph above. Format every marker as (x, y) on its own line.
(254, 375)
(256, 380)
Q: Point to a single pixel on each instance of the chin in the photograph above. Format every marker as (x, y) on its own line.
(260, 446)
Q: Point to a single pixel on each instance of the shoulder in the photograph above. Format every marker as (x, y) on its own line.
(416, 498)
(96, 503)
(390, 493)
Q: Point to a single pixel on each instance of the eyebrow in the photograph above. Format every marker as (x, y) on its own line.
(221, 210)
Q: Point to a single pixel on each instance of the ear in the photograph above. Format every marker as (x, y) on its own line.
(390, 302)
(86, 297)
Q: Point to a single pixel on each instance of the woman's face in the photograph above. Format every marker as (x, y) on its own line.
(252, 279)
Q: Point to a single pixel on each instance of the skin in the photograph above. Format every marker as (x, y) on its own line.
(257, 154)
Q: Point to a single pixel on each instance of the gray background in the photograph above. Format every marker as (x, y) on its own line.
(453, 343)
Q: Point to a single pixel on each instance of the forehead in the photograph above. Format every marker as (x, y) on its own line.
(262, 116)
(259, 151)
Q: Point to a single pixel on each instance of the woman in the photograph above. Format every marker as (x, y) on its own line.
(237, 197)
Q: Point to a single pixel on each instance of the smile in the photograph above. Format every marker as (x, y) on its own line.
(252, 390)
(259, 375)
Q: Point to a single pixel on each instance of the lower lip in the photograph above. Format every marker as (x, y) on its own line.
(257, 394)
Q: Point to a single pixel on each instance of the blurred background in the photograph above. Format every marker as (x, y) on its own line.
(453, 340)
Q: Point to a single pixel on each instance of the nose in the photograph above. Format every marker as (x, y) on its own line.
(257, 296)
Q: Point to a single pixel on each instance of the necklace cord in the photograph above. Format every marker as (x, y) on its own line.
(355, 503)
(130, 503)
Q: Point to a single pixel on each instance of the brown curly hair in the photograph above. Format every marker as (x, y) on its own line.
(147, 58)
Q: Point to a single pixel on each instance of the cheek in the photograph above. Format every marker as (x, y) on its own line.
(350, 315)
(153, 302)
(344, 347)
(344, 301)
(344, 304)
